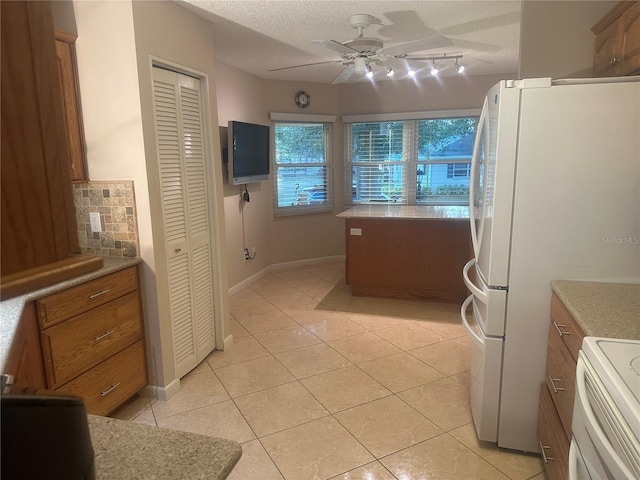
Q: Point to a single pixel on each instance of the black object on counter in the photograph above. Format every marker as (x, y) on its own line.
(45, 437)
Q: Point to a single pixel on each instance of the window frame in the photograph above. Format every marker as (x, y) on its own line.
(328, 131)
(410, 161)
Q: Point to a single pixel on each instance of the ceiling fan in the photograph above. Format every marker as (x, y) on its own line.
(360, 53)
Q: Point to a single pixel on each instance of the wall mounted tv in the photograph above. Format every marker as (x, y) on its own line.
(249, 150)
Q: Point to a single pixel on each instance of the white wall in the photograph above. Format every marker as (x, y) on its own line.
(108, 77)
(115, 43)
(556, 39)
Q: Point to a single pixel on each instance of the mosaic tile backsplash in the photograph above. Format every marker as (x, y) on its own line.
(115, 202)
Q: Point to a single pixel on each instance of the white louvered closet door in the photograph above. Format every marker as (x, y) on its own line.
(181, 156)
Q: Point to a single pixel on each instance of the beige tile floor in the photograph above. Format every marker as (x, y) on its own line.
(320, 384)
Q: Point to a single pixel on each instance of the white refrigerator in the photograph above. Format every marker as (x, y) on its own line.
(555, 194)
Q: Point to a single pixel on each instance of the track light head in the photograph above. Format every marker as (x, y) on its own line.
(390, 72)
(369, 73)
(434, 69)
(411, 72)
(459, 68)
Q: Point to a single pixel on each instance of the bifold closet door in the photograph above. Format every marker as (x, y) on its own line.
(185, 207)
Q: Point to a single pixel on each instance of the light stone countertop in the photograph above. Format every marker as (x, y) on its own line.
(602, 309)
(11, 310)
(408, 212)
(125, 450)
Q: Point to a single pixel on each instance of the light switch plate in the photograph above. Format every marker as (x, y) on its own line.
(356, 231)
(94, 219)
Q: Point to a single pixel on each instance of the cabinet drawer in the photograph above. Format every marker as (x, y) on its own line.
(560, 376)
(105, 387)
(80, 343)
(81, 298)
(553, 442)
(568, 329)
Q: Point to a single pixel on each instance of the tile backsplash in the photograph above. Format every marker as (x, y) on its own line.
(115, 202)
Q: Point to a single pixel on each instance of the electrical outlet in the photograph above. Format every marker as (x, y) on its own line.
(94, 219)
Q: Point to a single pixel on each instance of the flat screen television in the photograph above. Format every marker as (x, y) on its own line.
(248, 152)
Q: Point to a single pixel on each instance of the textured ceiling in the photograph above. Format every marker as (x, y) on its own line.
(257, 36)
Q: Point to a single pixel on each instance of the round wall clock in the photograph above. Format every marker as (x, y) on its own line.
(303, 99)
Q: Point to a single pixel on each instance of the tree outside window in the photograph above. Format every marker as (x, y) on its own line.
(302, 153)
(381, 159)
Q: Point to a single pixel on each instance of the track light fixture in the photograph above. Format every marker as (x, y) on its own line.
(369, 71)
(362, 65)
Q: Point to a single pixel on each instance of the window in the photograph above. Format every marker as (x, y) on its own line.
(302, 163)
(419, 160)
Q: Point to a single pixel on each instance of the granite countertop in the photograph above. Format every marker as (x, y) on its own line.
(602, 309)
(11, 310)
(408, 212)
(125, 450)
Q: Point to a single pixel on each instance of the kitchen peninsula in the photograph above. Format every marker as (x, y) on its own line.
(407, 251)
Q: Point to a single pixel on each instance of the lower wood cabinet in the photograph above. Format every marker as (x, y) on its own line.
(419, 259)
(554, 444)
(557, 393)
(92, 340)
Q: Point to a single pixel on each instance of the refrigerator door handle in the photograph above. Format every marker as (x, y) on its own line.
(479, 294)
(472, 183)
(474, 336)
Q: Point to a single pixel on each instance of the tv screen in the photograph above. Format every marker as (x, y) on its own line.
(249, 149)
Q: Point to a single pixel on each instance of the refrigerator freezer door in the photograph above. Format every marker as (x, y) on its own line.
(486, 371)
(490, 303)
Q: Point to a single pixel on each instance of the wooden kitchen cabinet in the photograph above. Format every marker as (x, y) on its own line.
(68, 70)
(92, 340)
(557, 394)
(39, 230)
(617, 42)
(407, 258)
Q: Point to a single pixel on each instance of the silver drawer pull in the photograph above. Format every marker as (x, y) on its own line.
(103, 336)
(553, 384)
(109, 390)
(559, 329)
(544, 455)
(91, 297)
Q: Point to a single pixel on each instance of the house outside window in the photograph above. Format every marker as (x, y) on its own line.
(302, 163)
(409, 160)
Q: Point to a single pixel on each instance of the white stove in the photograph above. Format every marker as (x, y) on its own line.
(606, 413)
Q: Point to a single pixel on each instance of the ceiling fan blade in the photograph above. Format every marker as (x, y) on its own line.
(336, 47)
(345, 74)
(417, 46)
(304, 65)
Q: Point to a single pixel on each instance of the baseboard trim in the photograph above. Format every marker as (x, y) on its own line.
(227, 342)
(161, 393)
(282, 266)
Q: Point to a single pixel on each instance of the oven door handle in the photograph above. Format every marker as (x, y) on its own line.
(598, 436)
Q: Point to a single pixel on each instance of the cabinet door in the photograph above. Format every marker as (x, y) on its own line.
(38, 218)
(182, 168)
(629, 42)
(553, 442)
(606, 45)
(71, 101)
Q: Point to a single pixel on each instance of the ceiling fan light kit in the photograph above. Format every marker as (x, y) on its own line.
(359, 55)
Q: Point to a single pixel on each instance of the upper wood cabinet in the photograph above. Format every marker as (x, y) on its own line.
(39, 230)
(67, 67)
(617, 43)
